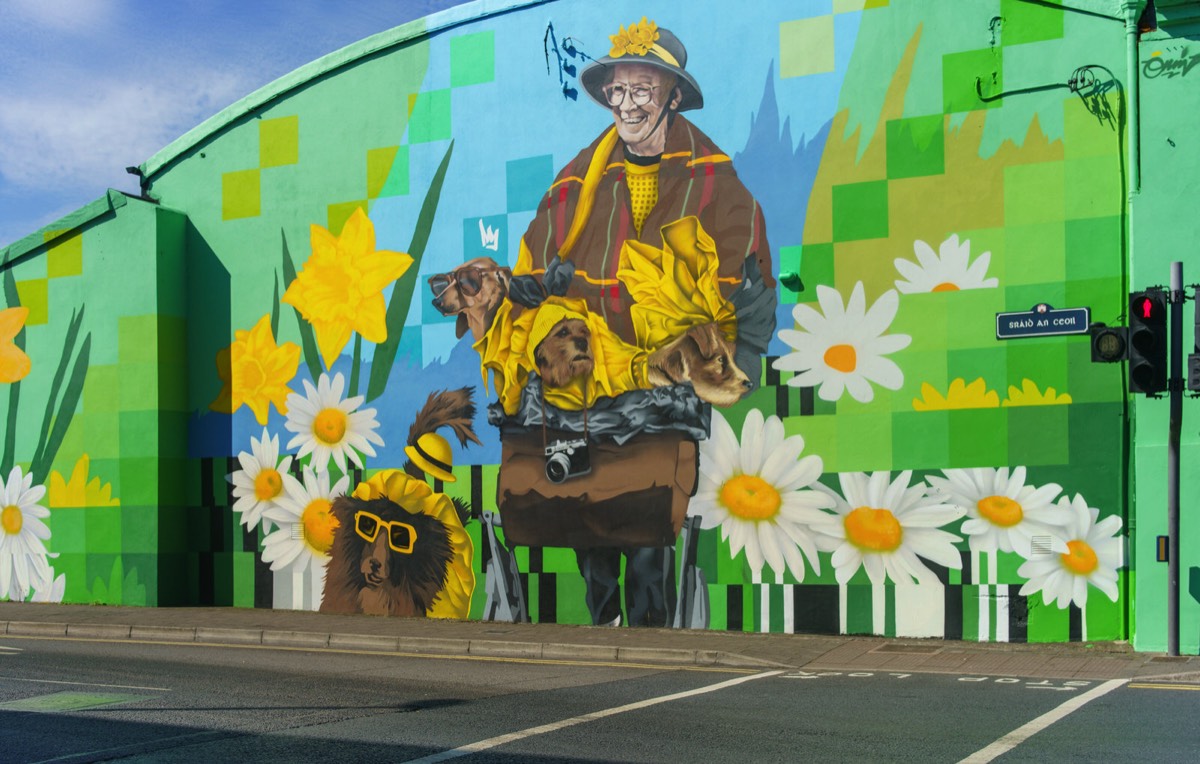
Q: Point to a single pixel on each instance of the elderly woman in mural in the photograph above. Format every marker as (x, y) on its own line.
(642, 293)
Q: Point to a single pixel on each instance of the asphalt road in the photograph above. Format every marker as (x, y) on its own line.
(63, 700)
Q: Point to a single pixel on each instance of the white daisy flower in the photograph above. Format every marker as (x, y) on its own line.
(260, 480)
(328, 426)
(23, 559)
(949, 270)
(1003, 513)
(886, 527)
(306, 522)
(50, 590)
(758, 493)
(1092, 556)
(844, 349)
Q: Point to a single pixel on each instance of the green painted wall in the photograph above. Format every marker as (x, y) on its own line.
(895, 148)
(1164, 231)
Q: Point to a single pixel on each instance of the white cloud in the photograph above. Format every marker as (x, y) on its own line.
(74, 16)
(88, 136)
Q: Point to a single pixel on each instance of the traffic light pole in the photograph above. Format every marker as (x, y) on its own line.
(1175, 388)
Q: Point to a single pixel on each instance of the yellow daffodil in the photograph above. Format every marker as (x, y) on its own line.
(256, 371)
(14, 364)
(340, 288)
(959, 396)
(637, 40)
(1029, 395)
(79, 491)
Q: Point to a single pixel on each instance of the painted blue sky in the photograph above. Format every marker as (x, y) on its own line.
(90, 87)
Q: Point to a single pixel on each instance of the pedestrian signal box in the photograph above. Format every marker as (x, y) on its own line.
(1148, 341)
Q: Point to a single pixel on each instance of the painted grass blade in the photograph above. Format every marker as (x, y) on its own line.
(61, 372)
(14, 391)
(397, 310)
(66, 412)
(307, 341)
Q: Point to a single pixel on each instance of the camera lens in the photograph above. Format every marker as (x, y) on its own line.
(557, 467)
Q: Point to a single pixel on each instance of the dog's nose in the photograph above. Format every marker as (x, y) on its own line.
(437, 303)
(747, 384)
(375, 566)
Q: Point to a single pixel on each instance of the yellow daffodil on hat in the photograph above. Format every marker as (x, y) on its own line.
(644, 42)
(417, 498)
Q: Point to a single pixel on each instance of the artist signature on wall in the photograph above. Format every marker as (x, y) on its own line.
(1170, 66)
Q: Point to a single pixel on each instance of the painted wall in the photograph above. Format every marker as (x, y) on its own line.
(895, 470)
(95, 435)
(1162, 235)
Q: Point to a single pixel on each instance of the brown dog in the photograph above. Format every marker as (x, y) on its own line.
(473, 291)
(703, 357)
(565, 354)
(384, 560)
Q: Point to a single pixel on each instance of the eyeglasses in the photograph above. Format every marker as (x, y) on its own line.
(615, 93)
(401, 536)
(469, 280)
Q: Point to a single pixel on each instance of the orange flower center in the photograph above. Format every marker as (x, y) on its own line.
(841, 357)
(267, 485)
(330, 426)
(250, 376)
(1080, 558)
(319, 523)
(750, 497)
(874, 530)
(1000, 510)
(11, 519)
(946, 286)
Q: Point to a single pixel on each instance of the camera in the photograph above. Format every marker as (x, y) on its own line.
(567, 459)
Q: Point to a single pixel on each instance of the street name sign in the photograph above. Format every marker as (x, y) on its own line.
(1042, 321)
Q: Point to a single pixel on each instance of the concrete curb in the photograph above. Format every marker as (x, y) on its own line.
(551, 651)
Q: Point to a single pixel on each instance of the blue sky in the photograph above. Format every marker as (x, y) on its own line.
(90, 87)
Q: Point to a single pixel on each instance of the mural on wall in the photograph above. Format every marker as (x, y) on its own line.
(563, 376)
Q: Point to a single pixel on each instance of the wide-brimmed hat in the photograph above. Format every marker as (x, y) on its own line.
(644, 43)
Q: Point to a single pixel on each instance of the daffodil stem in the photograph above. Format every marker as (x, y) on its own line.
(356, 365)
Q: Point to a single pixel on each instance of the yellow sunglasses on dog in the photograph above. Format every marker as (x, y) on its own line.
(401, 536)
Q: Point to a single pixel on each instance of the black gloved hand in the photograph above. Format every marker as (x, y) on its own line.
(526, 291)
(559, 274)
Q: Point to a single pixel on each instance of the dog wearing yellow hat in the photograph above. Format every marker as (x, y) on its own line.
(400, 548)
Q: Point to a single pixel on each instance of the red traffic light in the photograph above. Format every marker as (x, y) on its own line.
(1146, 308)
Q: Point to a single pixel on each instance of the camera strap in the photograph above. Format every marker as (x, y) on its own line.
(542, 401)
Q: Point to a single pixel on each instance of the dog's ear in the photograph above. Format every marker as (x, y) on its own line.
(708, 339)
(461, 325)
(504, 277)
(675, 365)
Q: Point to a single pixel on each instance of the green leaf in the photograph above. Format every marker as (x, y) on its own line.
(275, 311)
(64, 360)
(307, 341)
(397, 311)
(66, 412)
(355, 365)
(14, 390)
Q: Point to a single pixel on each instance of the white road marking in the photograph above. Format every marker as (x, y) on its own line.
(512, 737)
(5, 650)
(1026, 731)
(84, 684)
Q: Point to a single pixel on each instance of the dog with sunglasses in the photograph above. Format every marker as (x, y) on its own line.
(473, 291)
(389, 559)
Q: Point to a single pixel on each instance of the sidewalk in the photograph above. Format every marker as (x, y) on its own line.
(287, 628)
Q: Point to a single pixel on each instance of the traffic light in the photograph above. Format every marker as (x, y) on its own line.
(1148, 341)
(1110, 344)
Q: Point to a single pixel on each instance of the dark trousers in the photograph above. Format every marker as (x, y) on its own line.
(649, 583)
